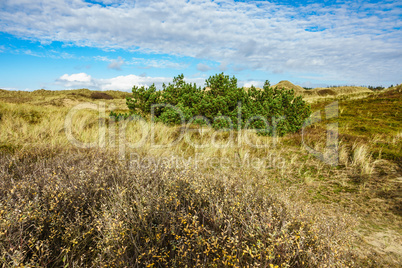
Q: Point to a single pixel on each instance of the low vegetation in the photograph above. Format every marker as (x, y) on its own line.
(89, 209)
(222, 105)
(260, 201)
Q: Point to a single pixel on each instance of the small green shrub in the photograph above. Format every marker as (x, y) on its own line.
(222, 104)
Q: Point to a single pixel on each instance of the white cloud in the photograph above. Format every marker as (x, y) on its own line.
(116, 64)
(16, 89)
(126, 82)
(223, 66)
(123, 83)
(203, 67)
(259, 84)
(357, 42)
(157, 63)
(76, 80)
(9, 88)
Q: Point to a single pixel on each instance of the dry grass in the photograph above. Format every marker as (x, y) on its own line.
(362, 159)
(288, 85)
(66, 98)
(325, 94)
(345, 90)
(88, 208)
(194, 205)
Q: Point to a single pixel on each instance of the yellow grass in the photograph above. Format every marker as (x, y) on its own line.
(362, 159)
(288, 85)
(304, 185)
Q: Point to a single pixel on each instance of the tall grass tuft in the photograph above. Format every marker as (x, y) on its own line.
(362, 159)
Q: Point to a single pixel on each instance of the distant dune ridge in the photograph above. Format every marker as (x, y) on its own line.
(287, 85)
(110, 94)
(345, 89)
(321, 91)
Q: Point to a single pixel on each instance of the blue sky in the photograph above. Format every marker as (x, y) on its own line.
(115, 44)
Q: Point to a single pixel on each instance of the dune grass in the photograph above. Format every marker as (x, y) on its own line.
(131, 200)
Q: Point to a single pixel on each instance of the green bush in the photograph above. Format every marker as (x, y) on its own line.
(223, 104)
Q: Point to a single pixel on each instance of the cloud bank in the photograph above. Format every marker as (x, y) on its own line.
(122, 83)
(355, 41)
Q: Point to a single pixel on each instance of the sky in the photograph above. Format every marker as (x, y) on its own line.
(116, 44)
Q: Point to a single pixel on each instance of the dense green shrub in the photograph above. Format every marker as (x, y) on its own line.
(143, 98)
(222, 104)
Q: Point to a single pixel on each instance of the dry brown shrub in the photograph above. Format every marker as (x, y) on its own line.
(87, 208)
(101, 95)
(324, 92)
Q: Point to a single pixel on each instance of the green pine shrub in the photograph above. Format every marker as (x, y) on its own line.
(222, 104)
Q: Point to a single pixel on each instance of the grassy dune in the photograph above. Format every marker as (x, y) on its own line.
(206, 205)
